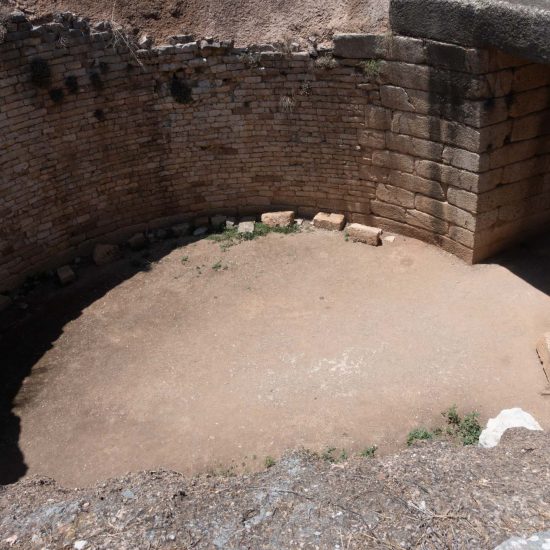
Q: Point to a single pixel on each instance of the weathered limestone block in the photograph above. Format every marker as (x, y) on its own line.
(137, 241)
(5, 302)
(181, 229)
(278, 219)
(332, 222)
(246, 227)
(106, 253)
(359, 46)
(66, 275)
(364, 234)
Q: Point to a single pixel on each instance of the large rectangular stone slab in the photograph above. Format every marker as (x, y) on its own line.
(332, 222)
(364, 234)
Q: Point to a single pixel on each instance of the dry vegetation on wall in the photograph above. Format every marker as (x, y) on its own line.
(245, 21)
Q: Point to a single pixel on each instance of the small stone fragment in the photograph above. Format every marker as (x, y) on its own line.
(66, 275)
(137, 241)
(246, 227)
(5, 302)
(80, 544)
(230, 223)
(389, 238)
(278, 219)
(200, 231)
(364, 234)
(145, 42)
(106, 253)
(218, 222)
(332, 222)
(181, 229)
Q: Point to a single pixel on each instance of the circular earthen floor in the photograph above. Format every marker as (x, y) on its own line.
(213, 360)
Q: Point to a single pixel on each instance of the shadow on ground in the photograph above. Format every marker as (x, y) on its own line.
(529, 261)
(34, 323)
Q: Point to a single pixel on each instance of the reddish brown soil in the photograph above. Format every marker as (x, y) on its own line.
(247, 21)
(213, 360)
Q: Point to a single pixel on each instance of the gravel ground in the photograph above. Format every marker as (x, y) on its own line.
(429, 496)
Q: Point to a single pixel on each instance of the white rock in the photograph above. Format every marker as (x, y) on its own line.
(80, 544)
(508, 418)
(246, 227)
(389, 238)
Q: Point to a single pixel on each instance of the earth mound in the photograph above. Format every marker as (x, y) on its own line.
(429, 496)
(245, 21)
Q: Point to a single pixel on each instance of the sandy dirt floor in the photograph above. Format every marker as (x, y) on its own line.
(213, 360)
(246, 21)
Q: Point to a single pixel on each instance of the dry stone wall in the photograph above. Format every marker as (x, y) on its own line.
(101, 139)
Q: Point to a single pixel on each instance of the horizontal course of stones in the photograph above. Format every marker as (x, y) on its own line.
(101, 139)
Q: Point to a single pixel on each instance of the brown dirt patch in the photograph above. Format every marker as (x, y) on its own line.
(218, 360)
(246, 21)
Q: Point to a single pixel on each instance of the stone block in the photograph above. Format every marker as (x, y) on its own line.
(395, 195)
(359, 46)
(364, 234)
(246, 227)
(66, 275)
(200, 231)
(137, 241)
(105, 253)
(5, 302)
(278, 219)
(332, 222)
(181, 229)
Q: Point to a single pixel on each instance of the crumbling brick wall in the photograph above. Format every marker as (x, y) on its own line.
(100, 140)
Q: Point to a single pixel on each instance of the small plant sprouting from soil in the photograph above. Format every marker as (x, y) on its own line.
(370, 68)
(419, 434)
(368, 452)
(326, 62)
(180, 90)
(230, 236)
(185, 259)
(287, 103)
(57, 95)
(71, 83)
(269, 462)
(465, 430)
(330, 454)
(218, 266)
(40, 73)
(250, 59)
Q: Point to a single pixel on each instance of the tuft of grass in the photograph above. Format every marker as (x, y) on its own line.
(218, 265)
(287, 103)
(370, 67)
(250, 59)
(326, 62)
(185, 259)
(328, 454)
(368, 452)
(269, 462)
(419, 434)
(464, 430)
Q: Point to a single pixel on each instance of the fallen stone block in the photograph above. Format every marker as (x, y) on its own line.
(200, 231)
(137, 241)
(332, 222)
(5, 302)
(181, 229)
(66, 275)
(508, 418)
(278, 219)
(106, 253)
(218, 222)
(364, 234)
(246, 227)
(230, 223)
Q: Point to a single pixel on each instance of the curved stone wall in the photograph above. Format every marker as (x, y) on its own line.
(100, 140)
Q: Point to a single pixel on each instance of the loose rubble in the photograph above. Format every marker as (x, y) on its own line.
(429, 496)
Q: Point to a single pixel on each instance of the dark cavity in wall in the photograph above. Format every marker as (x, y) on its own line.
(57, 95)
(95, 79)
(180, 90)
(71, 83)
(40, 73)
